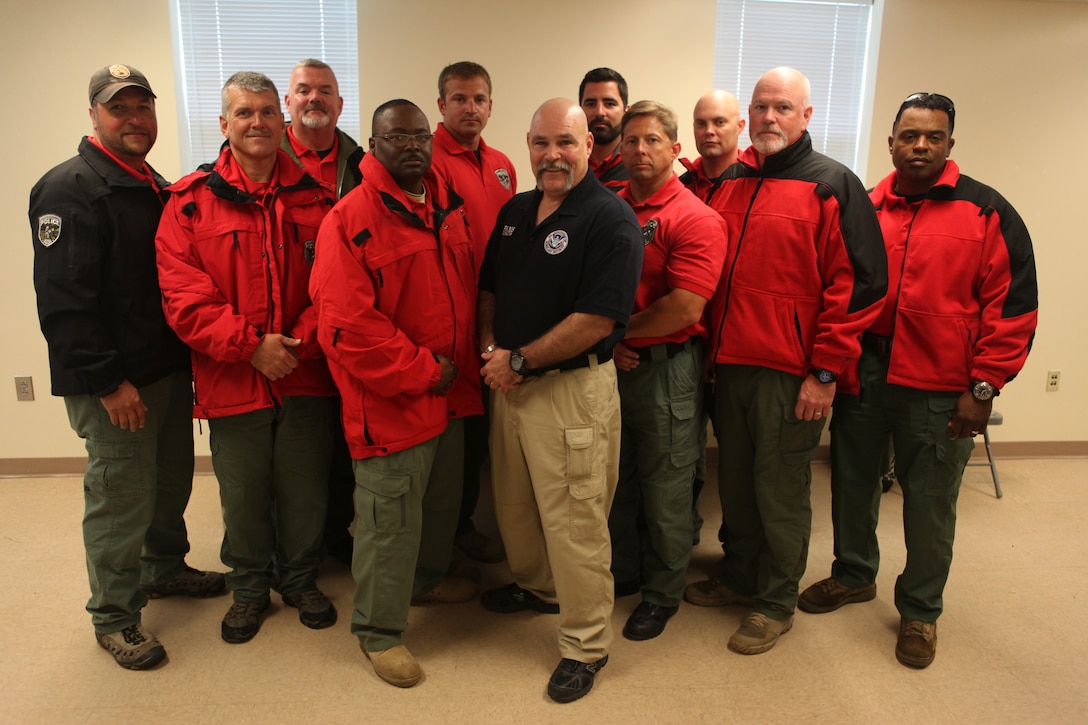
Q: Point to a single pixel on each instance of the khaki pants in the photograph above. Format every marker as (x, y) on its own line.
(555, 443)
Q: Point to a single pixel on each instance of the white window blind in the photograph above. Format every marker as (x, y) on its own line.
(214, 39)
(827, 41)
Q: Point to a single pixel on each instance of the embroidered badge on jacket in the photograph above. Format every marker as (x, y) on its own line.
(48, 229)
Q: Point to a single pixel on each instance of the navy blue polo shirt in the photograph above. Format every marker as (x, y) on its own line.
(586, 257)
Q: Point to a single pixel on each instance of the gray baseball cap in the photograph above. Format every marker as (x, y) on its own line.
(107, 81)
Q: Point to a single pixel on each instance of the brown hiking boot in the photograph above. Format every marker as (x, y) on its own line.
(188, 582)
(917, 645)
(828, 595)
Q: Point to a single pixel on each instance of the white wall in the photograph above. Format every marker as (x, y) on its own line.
(1015, 69)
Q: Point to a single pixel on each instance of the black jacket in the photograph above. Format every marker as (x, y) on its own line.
(93, 229)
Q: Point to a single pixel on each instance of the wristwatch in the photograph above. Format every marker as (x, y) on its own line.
(982, 390)
(824, 376)
(517, 362)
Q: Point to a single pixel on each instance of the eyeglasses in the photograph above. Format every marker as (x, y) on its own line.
(400, 140)
(916, 99)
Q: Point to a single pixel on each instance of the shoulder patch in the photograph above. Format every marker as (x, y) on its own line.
(649, 230)
(49, 229)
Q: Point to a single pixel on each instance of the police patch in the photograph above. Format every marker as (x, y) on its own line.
(649, 229)
(556, 242)
(504, 178)
(48, 229)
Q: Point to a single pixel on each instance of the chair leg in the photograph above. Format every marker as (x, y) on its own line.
(993, 465)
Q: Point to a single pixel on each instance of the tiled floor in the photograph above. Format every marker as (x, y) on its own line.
(1013, 642)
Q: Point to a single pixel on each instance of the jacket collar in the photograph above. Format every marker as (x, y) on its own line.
(784, 159)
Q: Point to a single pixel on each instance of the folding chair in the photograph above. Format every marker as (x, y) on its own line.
(995, 419)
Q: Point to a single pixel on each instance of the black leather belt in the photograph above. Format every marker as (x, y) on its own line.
(878, 344)
(579, 362)
(672, 349)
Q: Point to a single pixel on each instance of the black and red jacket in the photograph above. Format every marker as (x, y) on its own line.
(806, 268)
(963, 299)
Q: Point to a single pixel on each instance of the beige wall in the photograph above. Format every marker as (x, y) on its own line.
(1014, 67)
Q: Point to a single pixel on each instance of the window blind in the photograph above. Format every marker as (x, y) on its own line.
(216, 38)
(827, 41)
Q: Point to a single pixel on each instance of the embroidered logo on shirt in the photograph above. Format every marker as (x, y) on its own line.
(48, 229)
(504, 178)
(508, 230)
(556, 242)
(649, 229)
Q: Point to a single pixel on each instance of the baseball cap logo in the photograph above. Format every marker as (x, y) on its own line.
(120, 71)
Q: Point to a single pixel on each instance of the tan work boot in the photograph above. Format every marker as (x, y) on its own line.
(758, 634)
(917, 645)
(827, 595)
(395, 665)
(712, 593)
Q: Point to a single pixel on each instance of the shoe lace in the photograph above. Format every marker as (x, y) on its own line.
(756, 620)
(243, 609)
(133, 635)
(915, 628)
(310, 598)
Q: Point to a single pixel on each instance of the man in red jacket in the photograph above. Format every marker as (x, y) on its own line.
(394, 287)
(234, 250)
(955, 328)
(804, 275)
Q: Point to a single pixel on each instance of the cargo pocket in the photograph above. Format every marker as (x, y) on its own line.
(942, 467)
(382, 502)
(585, 486)
(797, 441)
(112, 471)
(580, 450)
(684, 448)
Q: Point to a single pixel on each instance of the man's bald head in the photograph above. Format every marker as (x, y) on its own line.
(717, 125)
(559, 145)
(780, 109)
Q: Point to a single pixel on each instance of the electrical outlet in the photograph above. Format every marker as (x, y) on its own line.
(1052, 379)
(24, 387)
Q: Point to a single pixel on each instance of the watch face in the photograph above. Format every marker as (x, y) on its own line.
(517, 362)
(982, 391)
